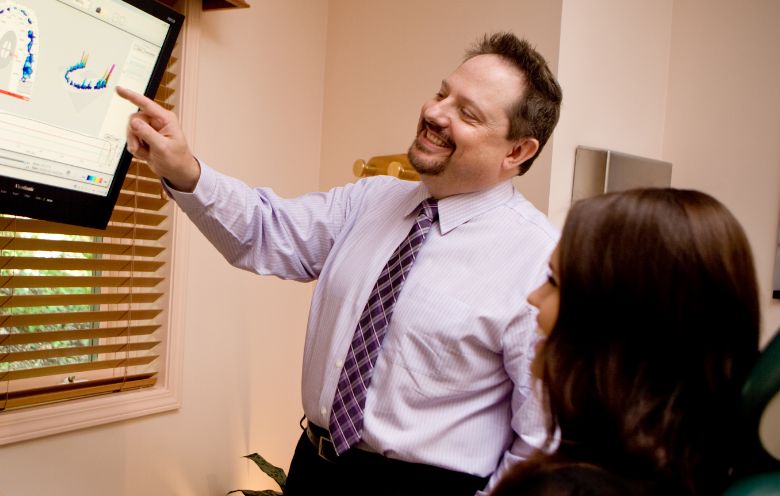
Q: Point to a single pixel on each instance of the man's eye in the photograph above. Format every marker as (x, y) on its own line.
(468, 115)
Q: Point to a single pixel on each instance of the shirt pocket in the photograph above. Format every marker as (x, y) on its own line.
(444, 345)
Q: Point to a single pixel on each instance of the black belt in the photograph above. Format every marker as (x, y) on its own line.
(321, 440)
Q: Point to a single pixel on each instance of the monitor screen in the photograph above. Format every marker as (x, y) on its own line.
(62, 125)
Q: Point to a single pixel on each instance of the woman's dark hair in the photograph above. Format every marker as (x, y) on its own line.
(657, 329)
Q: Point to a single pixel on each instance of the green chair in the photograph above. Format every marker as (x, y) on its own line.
(762, 386)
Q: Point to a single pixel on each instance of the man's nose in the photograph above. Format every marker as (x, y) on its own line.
(436, 112)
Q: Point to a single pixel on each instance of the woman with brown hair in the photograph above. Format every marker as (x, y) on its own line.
(650, 324)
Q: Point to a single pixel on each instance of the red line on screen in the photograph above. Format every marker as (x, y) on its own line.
(15, 95)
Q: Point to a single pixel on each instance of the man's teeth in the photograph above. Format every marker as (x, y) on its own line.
(435, 139)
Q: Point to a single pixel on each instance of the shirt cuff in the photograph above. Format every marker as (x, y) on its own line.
(201, 196)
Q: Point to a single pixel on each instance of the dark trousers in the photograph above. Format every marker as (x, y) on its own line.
(358, 472)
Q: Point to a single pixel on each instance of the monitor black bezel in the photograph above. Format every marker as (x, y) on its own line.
(52, 203)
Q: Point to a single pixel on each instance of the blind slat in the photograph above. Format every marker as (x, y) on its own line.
(36, 244)
(78, 282)
(138, 168)
(75, 390)
(135, 217)
(168, 77)
(89, 264)
(51, 336)
(76, 367)
(163, 104)
(34, 319)
(40, 226)
(74, 351)
(17, 300)
(163, 93)
(129, 199)
(148, 186)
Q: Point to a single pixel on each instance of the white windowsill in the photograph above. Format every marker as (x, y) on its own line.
(24, 424)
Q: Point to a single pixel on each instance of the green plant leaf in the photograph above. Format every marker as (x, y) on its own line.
(269, 469)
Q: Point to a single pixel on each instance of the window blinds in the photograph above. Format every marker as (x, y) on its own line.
(82, 310)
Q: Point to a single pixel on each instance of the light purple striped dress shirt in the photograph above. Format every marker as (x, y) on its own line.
(451, 383)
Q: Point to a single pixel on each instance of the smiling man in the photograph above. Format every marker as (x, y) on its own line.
(416, 362)
(463, 142)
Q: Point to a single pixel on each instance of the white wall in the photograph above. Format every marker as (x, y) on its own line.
(722, 129)
(613, 67)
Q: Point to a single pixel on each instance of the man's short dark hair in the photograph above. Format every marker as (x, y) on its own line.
(536, 113)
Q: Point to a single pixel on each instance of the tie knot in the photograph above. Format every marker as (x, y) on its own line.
(430, 209)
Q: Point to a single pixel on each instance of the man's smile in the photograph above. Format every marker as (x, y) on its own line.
(429, 138)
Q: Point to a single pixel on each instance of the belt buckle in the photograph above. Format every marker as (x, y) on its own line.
(326, 452)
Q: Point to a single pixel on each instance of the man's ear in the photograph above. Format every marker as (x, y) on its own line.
(523, 149)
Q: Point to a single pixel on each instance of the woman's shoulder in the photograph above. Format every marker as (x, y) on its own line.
(583, 479)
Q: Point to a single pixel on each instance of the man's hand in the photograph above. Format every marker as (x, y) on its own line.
(154, 135)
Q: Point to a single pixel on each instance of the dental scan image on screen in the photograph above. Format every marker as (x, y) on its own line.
(62, 125)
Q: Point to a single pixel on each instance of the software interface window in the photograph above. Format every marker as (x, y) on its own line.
(61, 122)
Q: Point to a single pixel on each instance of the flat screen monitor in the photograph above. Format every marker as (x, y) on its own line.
(62, 125)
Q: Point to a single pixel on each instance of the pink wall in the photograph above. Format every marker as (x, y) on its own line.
(385, 58)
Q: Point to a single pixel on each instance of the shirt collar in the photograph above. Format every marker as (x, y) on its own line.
(459, 209)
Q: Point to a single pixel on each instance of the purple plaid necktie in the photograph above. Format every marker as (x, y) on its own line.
(346, 419)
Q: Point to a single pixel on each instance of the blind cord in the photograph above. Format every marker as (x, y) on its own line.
(13, 224)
